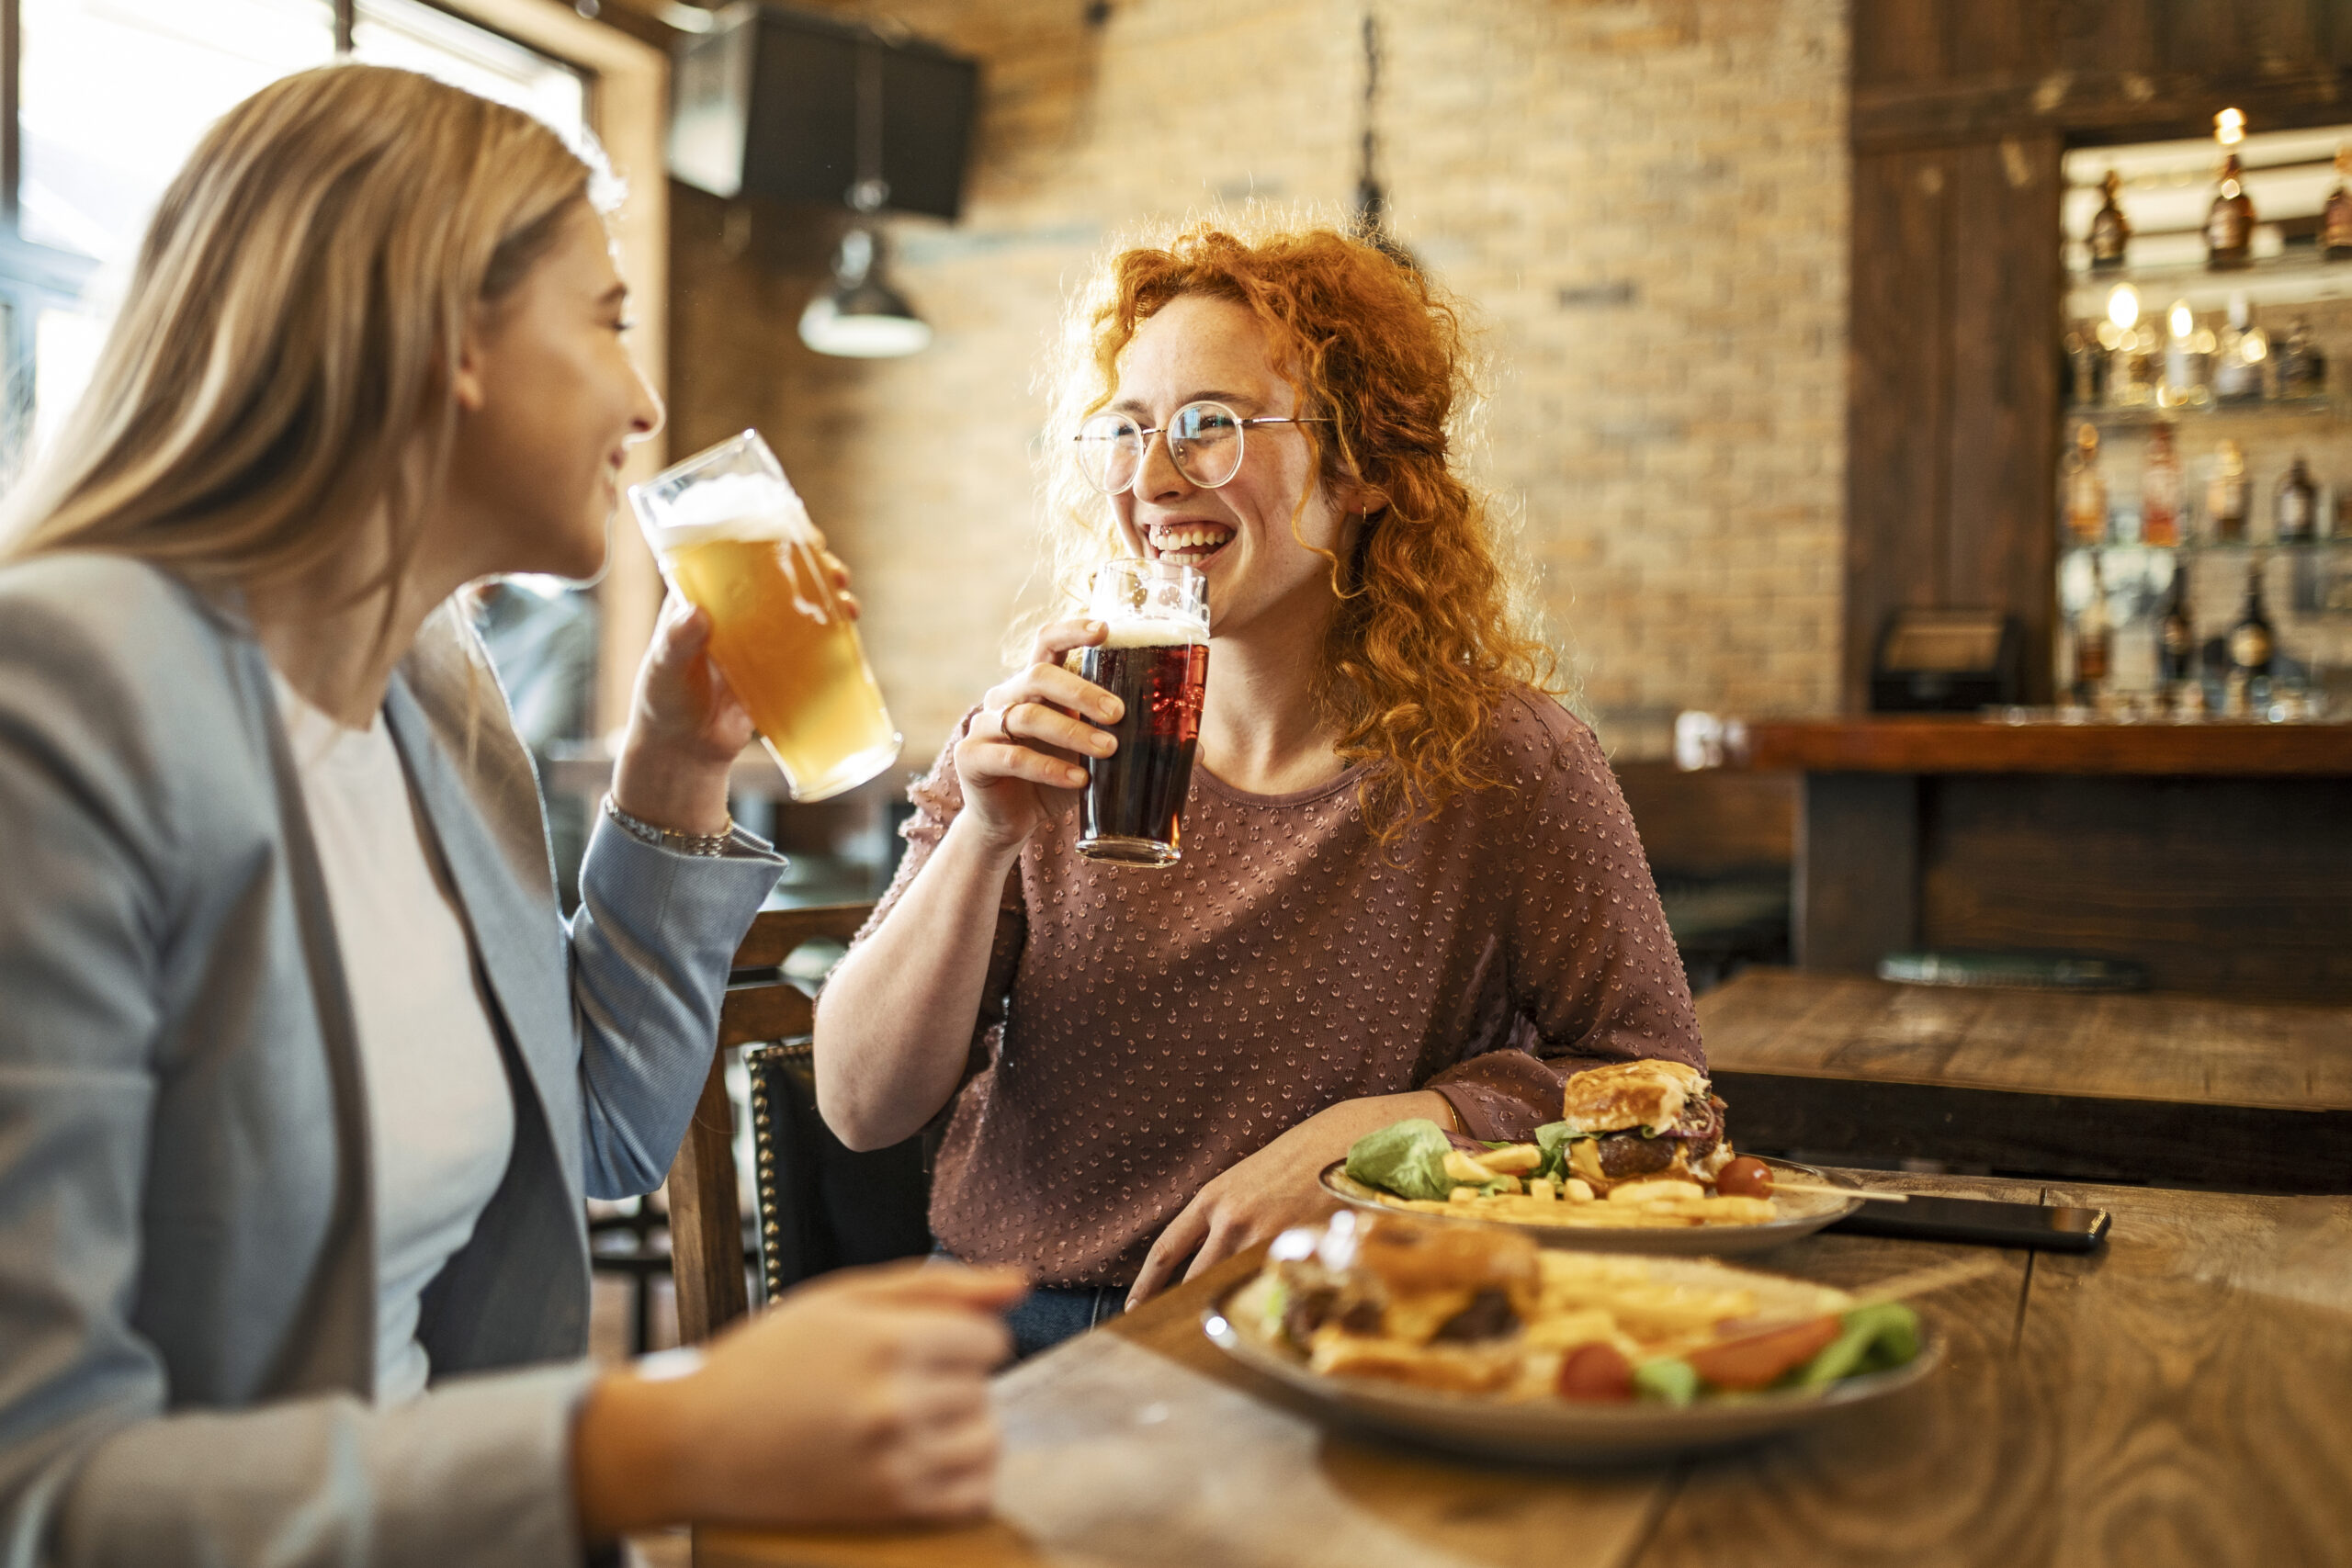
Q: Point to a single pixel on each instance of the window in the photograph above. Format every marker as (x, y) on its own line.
(115, 95)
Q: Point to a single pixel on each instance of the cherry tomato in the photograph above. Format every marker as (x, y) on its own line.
(1746, 1177)
(1596, 1371)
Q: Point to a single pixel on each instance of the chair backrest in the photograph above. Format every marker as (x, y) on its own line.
(705, 1213)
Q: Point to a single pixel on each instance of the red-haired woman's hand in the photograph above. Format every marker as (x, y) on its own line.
(1026, 746)
(1256, 1199)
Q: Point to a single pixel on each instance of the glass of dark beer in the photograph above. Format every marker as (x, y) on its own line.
(1156, 661)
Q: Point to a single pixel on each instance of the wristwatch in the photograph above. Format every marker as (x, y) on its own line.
(710, 844)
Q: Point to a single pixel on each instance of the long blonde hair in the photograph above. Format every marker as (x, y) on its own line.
(280, 374)
(1433, 629)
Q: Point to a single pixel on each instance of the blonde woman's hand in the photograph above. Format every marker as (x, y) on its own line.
(860, 1399)
(1026, 748)
(686, 726)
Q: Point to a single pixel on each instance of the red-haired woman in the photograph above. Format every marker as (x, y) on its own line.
(1410, 885)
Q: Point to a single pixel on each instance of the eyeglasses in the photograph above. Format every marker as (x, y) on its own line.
(1204, 442)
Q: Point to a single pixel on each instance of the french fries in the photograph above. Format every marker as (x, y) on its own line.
(1512, 1160)
(1572, 1203)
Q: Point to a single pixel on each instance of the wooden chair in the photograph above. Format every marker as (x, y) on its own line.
(803, 1171)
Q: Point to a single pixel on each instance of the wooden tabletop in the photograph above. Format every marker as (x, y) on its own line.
(2133, 1046)
(1969, 745)
(2153, 1087)
(2179, 1398)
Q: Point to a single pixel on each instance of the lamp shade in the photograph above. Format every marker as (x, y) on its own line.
(860, 316)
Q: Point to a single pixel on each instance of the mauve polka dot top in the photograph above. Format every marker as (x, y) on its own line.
(1143, 1030)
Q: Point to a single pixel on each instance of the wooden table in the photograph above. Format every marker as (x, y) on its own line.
(2150, 1087)
(2179, 1399)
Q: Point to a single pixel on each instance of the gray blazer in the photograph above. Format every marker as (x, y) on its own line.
(187, 1254)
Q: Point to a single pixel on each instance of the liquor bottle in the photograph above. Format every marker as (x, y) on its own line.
(2160, 490)
(2110, 231)
(2251, 642)
(2302, 364)
(2085, 369)
(2085, 490)
(2336, 217)
(2228, 223)
(2094, 640)
(2189, 360)
(2177, 634)
(2295, 508)
(2244, 357)
(2227, 497)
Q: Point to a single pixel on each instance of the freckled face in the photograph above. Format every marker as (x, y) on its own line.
(555, 402)
(1240, 533)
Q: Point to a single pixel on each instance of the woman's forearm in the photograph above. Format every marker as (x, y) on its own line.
(894, 1023)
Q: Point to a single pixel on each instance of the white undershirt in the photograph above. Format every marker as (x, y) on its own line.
(441, 1118)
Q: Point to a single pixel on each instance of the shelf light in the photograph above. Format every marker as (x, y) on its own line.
(2123, 307)
(2183, 320)
(2229, 128)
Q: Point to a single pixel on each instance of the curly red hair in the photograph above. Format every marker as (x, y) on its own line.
(1430, 633)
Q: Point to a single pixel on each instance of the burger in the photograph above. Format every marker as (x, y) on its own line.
(1643, 1121)
(1436, 1306)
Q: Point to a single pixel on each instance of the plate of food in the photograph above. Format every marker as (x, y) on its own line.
(1472, 1337)
(1639, 1162)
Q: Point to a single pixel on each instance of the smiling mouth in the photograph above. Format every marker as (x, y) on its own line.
(1188, 544)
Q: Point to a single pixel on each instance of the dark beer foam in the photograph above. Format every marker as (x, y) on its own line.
(1157, 632)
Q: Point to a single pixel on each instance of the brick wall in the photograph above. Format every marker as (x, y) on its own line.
(1645, 203)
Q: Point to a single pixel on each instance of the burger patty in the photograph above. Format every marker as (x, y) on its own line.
(1624, 1155)
(1488, 1316)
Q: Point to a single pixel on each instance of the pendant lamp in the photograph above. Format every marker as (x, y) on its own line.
(859, 315)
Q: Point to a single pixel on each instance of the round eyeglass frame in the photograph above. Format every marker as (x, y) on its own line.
(1109, 429)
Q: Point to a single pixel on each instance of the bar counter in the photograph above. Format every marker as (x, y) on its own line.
(2216, 854)
(2210, 748)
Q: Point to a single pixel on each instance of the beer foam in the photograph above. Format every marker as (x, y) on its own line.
(750, 507)
(1159, 631)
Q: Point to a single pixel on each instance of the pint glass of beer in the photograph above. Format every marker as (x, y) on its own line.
(734, 540)
(1156, 661)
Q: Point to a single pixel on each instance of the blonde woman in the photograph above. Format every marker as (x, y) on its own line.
(1409, 884)
(302, 1079)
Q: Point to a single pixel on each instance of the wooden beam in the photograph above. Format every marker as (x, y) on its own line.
(2111, 107)
(629, 107)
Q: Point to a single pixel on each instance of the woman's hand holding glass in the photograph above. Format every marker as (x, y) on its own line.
(1022, 757)
(686, 725)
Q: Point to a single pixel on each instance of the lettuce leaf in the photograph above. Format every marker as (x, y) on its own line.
(1553, 1138)
(1876, 1338)
(1667, 1380)
(1407, 1158)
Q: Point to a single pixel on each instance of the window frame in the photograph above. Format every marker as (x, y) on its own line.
(627, 95)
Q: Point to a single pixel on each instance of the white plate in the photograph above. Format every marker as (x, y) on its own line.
(1801, 1213)
(1565, 1430)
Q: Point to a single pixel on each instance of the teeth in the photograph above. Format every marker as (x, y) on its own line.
(1191, 537)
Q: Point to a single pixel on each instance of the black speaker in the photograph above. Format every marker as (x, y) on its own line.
(768, 102)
